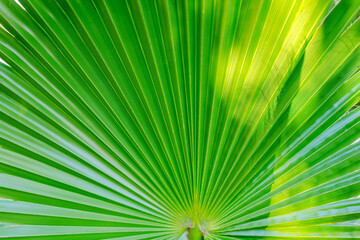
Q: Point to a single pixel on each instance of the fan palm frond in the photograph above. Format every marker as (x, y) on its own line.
(171, 119)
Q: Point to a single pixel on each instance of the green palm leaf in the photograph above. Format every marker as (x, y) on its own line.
(167, 119)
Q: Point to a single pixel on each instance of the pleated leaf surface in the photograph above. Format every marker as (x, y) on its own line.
(179, 119)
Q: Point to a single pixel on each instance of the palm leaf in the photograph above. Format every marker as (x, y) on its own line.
(179, 119)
